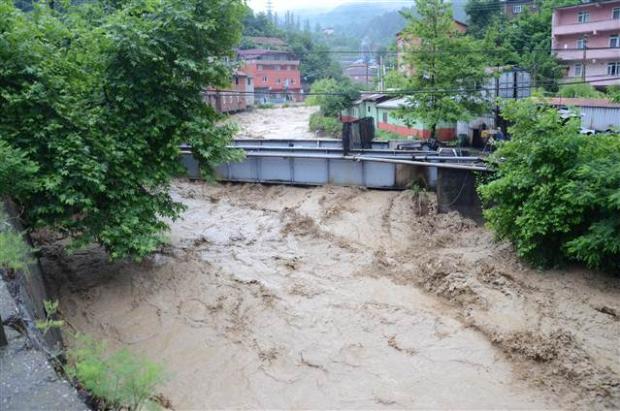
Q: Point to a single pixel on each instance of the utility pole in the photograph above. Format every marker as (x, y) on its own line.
(583, 64)
(381, 74)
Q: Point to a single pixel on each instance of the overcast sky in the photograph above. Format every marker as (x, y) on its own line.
(279, 5)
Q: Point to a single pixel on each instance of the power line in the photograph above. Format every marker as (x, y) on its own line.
(402, 93)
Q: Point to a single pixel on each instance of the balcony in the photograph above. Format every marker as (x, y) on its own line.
(590, 54)
(591, 27)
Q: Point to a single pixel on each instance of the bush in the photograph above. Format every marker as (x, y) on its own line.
(388, 135)
(14, 252)
(265, 106)
(580, 90)
(119, 380)
(333, 96)
(328, 125)
(556, 193)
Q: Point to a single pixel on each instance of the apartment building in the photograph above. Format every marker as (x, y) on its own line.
(586, 38)
(276, 75)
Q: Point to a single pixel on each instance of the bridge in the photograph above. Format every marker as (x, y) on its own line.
(382, 166)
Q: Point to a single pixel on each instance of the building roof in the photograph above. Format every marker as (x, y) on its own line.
(249, 53)
(267, 41)
(582, 102)
(377, 98)
(593, 3)
(395, 103)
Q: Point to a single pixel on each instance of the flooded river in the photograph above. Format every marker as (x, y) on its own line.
(282, 297)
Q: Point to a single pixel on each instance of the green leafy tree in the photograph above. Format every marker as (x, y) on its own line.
(556, 193)
(448, 68)
(95, 101)
(613, 92)
(482, 13)
(316, 62)
(332, 95)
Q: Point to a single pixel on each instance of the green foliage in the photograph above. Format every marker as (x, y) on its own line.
(387, 135)
(259, 25)
(394, 79)
(613, 92)
(443, 61)
(481, 14)
(95, 101)
(120, 380)
(332, 95)
(265, 106)
(315, 60)
(14, 252)
(328, 125)
(17, 172)
(579, 90)
(556, 194)
(51, 309)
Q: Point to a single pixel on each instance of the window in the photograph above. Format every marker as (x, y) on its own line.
(613, 69)
(260, 66)
(292, 81)
(249, 81)
(368, 109)
(615, 13)
(264, 79)
(385, 118)
(614, 41)
(278, 81)
(237, 80)
(582, 42)
(583, 16)
(517, 8)
(277, 67)
(578, 69)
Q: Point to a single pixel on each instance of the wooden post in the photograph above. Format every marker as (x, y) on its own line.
(3, 340)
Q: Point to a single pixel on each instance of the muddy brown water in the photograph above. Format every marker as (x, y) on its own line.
(283, 297)
(277, 122)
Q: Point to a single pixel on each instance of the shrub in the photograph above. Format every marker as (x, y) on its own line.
(14, 252)
(579, 90)
(388, 135)
(556, 193)
(119, 380)
(328, 125)
(265, 106)
(332, 95)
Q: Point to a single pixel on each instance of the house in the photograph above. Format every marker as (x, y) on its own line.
(237, 97)
(362, 72)
(387, 120)
(513, 8)
(586, 38)
(405, 41)
(596, 114)
(276, 75)
(366, 106)
(271, 43)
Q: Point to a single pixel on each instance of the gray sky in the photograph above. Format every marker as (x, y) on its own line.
(279, 5)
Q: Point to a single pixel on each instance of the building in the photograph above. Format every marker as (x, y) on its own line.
(276, 75)
(237, 97)
(387, 120)
(596, 114)
(513, 8)
(404, 41)
(361, 72)
(586, 38)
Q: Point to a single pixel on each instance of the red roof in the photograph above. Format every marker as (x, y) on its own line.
(583, 102)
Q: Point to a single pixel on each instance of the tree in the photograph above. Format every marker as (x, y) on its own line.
(481, 14)
(316, 61)
(448, 68)
(333, 96)
(556, 192)
(97, 98)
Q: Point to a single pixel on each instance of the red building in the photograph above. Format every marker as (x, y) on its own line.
(237, 97)
(276, 75)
